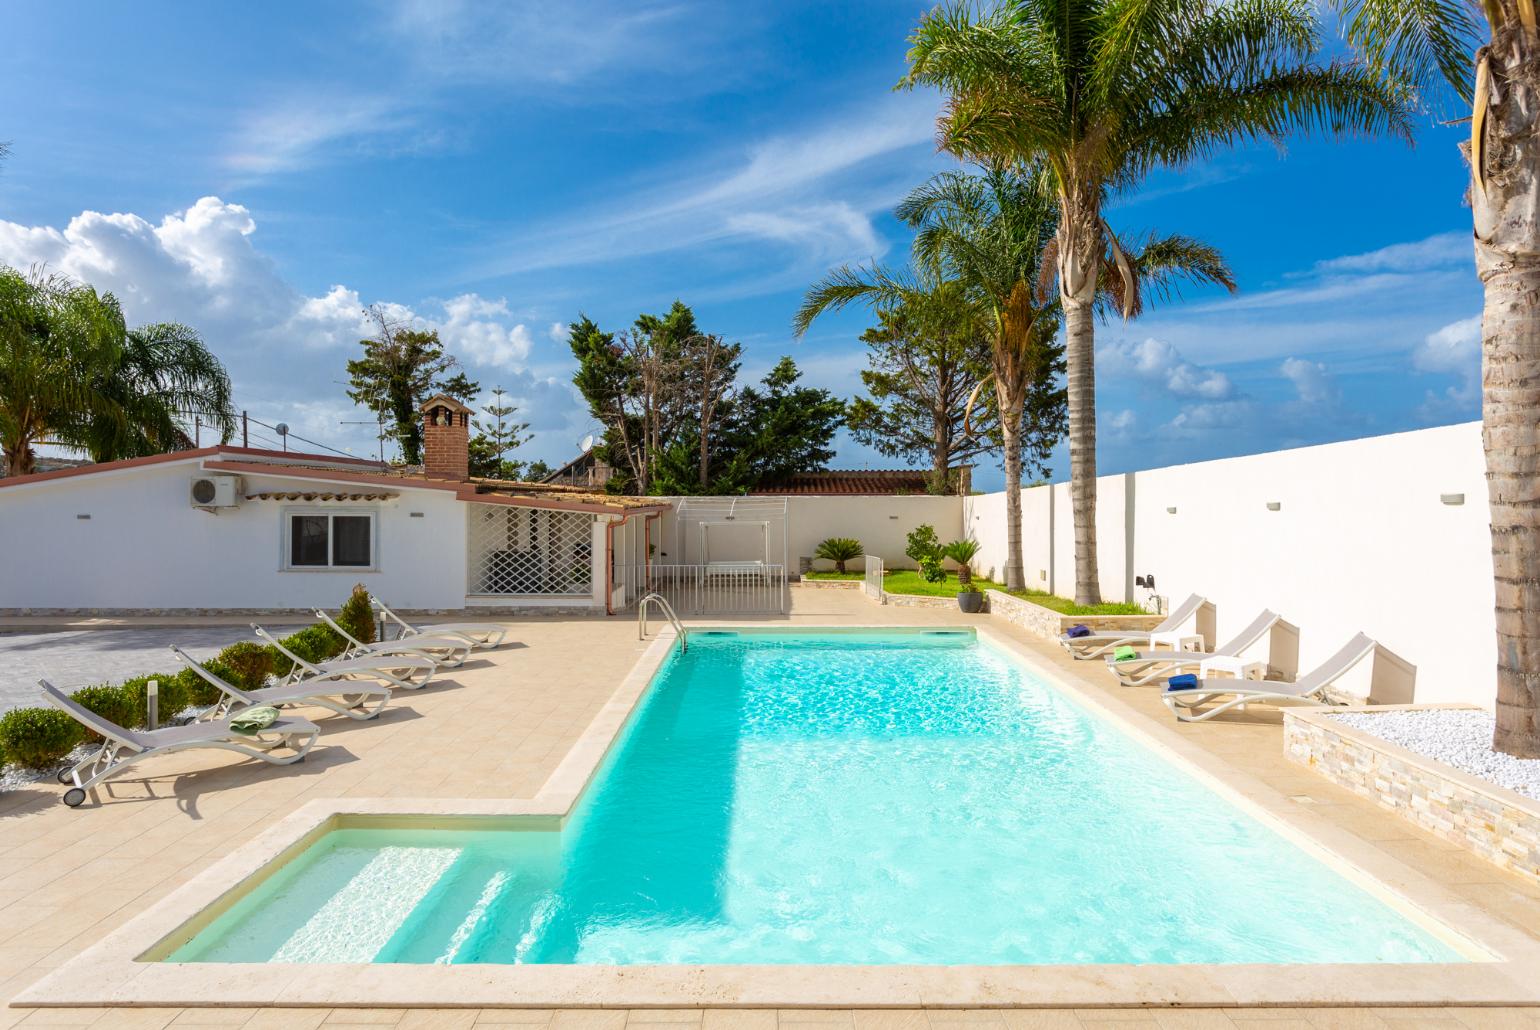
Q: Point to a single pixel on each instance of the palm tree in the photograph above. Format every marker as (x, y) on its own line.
(164, 375)
(54, 335)
(1104, 91)
(990, 233)
(1490, 58)
(72, 373)
(987, 233)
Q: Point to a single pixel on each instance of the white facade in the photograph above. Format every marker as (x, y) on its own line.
(1364, 537)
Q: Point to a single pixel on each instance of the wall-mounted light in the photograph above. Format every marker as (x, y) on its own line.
(1171, 510)
(82, 516)
(1452, 498)
(895, 516)
(1274, 505)
(1042, 574)
(414, 515)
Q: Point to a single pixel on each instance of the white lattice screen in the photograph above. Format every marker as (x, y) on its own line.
(530, 551)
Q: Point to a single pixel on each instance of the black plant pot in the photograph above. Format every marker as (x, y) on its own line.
(970, 601)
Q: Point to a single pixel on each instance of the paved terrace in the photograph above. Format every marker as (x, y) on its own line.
(497, 728)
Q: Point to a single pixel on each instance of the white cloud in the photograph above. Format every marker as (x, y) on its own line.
(559, 332)
(1314, 385)
(1158, 362)
(1443, 249)
(285, 349)
(808, 189)
(1454, 348)
(298, 132)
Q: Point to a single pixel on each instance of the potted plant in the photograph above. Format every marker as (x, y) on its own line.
(963, 552)
(839, 550)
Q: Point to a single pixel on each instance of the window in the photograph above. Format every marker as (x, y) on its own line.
(322, 540)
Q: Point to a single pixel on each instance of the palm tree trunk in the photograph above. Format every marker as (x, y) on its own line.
(1507, 222)
(1011, 405)
(1079, 253)
(941, 449)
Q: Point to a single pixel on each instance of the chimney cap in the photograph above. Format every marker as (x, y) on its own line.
(443, 400)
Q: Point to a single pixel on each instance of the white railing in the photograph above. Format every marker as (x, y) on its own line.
(716, 588)
(873, 584)
(668, 612)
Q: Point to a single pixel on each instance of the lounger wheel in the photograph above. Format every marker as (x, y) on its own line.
(75, 797)
(66, 775)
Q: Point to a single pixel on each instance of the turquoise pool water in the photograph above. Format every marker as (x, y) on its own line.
(893, 798)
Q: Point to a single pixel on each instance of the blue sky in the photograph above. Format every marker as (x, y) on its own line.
(262, 172)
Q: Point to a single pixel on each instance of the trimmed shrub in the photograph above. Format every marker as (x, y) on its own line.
(38, 737)
(315, 643)
(199, 691)
(171, 697)
(248, 663)
(356, 616)
(112, 703)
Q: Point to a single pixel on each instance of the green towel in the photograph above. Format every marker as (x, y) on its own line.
(1124, 654)
(251, 721)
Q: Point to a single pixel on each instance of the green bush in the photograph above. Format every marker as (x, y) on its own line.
(923, 545)
(839, 550)
(171, 697)
(199, 691)
(249, 664)
(110, 702)
(38, 737)
(315, 643)
(356, 616)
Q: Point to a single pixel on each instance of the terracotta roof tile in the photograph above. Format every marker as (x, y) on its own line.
(850, 482)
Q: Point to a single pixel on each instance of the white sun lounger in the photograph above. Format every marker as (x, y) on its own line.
(444, 650)
(399, 672)
(1185, 704)
(1152, 665)
(480, 634)
(345, 697)
(1098, 644)
(122, 748)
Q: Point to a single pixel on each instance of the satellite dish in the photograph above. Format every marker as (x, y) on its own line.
(282, 429)
(586, 443)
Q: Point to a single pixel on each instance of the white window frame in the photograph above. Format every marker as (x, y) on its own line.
(285, 537)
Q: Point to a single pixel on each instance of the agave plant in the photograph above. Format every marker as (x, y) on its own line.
(839, 550)
(963, 552)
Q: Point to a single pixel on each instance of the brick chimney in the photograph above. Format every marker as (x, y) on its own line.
(446, 431)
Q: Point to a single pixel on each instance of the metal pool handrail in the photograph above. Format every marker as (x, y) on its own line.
(641, 619)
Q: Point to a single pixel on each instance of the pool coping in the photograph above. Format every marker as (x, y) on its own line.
(115, 972)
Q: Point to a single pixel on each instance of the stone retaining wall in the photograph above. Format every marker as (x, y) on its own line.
(1049, 624)
(920, 601)
(1500, 825)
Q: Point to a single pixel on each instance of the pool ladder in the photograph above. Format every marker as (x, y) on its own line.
(668, 609)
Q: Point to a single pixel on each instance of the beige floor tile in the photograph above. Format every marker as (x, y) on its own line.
(363, 1017)
(1499, 1018)
(639, 1016)
(588, 1019)
(287, 1019)
(828, 1017)
(738, 1019)
(440, 1019)
(514, 1017)
(214, 1017)
(136, 1019)
(1040, 1019)
(1194, 1019)
(891, 1019)
(62, 1017)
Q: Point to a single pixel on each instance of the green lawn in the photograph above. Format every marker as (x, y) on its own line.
(908, 581)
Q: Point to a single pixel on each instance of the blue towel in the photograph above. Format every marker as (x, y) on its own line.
(1081, 630)
(1186, 681)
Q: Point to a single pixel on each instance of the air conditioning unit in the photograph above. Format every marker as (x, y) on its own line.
(215, 491)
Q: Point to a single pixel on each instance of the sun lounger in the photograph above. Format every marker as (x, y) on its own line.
(400, 671)
(345, 697)
(480, 634)
(1152, 665)
(1308, 689)
(122, 748)
(1095, 645)
(441, 650)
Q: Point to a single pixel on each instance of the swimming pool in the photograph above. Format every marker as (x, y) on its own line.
(837, 799)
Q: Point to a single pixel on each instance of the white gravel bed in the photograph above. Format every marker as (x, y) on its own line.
(1461, 738)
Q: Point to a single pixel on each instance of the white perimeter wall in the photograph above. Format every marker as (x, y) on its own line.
(144, 546)
(1361, 541)
(880, 523)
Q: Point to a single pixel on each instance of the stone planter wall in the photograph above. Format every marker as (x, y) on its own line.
(829, 584)
(1500, 825)
(920, 601)
(1049, 624)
